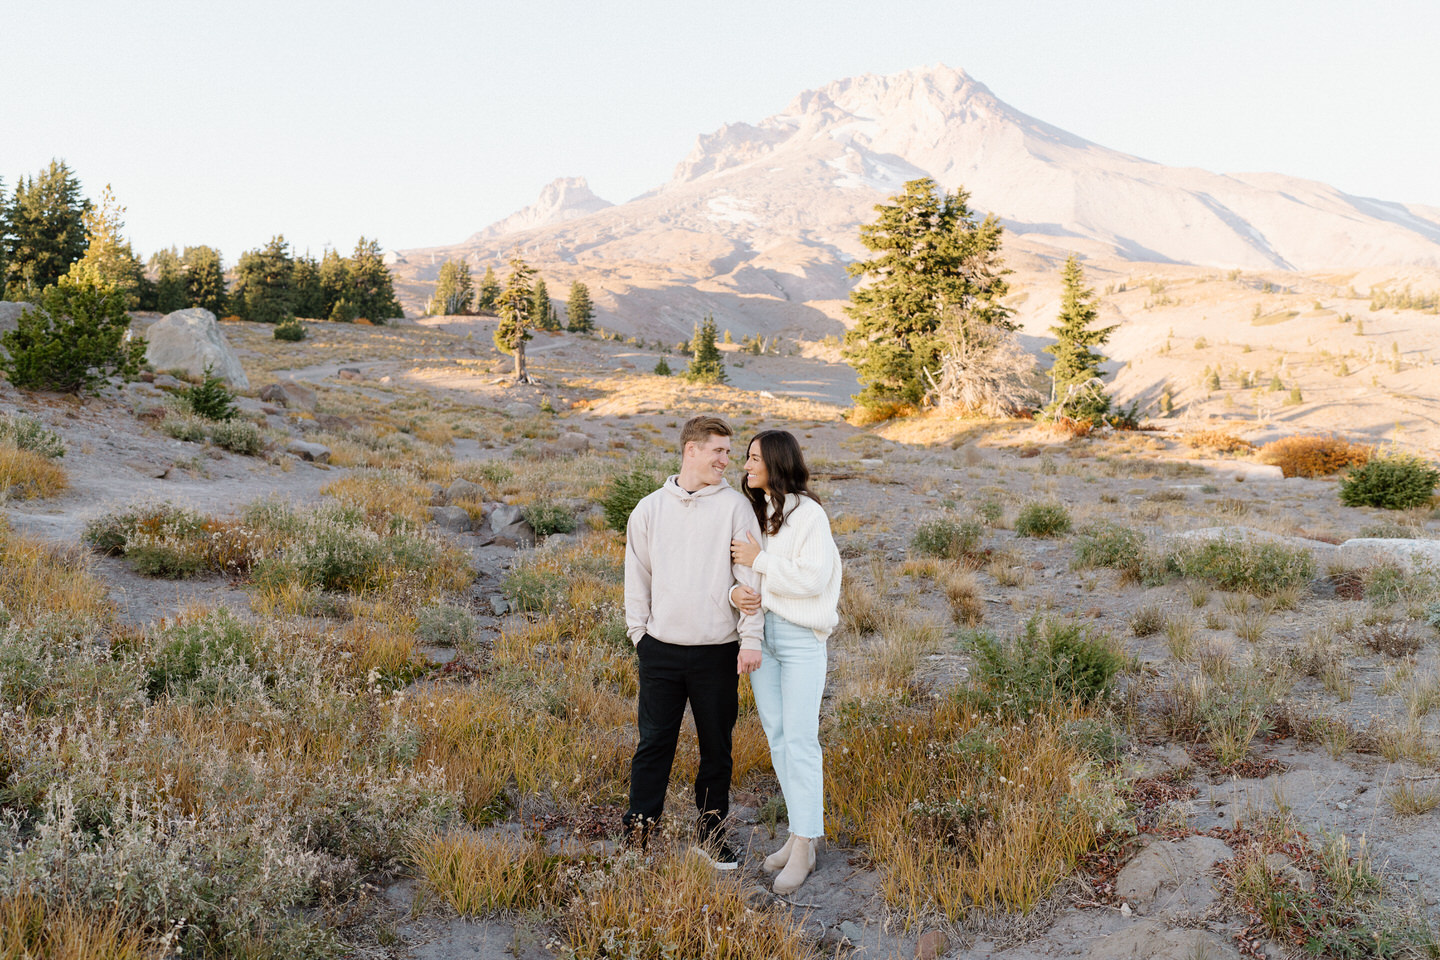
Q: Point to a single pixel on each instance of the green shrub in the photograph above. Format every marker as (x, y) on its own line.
(292, 330)
(238, 436)
(662, 368)
(1052, 661)
(947, 538)
(1042, 520)
(1263, 569)
(546, 518)
(626, 490)
(28, 433)
(73, 341)
(183, 425)
(1108, 544)
(190, 654)
(1432, 614)
(445, 626)
(1394, 481)
(533, 589)
(210, 398)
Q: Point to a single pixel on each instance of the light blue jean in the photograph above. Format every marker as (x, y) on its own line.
(787, 686)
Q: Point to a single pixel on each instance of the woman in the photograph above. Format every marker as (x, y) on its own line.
(800, 594)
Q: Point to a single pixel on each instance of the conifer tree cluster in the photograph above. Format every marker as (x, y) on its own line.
(454, 290)
(579, 310)
(271, 285)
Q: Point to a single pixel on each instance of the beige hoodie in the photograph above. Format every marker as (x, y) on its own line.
(678, 572)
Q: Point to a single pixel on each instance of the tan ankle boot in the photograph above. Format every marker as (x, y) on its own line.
(779, 858)
(798, 867)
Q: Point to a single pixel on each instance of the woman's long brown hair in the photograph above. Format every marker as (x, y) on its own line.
(785, 467)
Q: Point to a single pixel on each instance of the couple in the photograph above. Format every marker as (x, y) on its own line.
(697, 552)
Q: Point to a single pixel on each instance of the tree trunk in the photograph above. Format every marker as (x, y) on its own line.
(520, 375)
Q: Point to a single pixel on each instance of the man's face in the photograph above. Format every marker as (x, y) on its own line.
(709, 457)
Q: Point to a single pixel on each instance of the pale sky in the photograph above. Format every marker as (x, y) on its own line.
(420, 122)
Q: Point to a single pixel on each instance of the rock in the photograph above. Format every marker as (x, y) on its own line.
(499, 604)
(350, 373)
(519, 533)
(932, 944)
(1410, 555)
(163, 381)
(1178, 868)
(462, 489)
(851, 931)
(289, 394)
(317, 452)
(519, 409)
(1148, 940)
(505, 514)
(1241, 469)
(1281, 866)
(567, 444)
(333, 423)
(189, 340)
(155, 471)
(454, 519)
(1320, 550)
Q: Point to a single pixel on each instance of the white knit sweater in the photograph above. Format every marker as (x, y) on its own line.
(800, 568)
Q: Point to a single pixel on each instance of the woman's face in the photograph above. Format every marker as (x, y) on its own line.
(756, 476)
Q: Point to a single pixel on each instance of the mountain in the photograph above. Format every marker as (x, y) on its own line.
(759, 221)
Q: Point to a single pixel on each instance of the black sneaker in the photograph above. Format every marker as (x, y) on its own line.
(718, 854)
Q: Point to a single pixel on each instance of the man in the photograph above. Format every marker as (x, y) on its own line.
(678, 575)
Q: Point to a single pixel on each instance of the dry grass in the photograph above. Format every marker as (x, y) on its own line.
(31, 930)
(45, 582)
(1217, 441)
(27, 475)
(1409, 799)
(478, 875)
(382, 494)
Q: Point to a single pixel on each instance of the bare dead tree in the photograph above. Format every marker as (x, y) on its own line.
(983, 369)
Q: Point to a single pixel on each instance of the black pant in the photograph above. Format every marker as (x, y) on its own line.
(671, 674)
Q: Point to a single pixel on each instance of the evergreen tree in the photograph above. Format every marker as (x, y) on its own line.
(334, 282)
(372, 290)
(73, 340)
(706, 365)
(170, 292)
(1074, 376)
(264, 283)
(46, 231)
(932, 262)
(204, 279)
(454, 290)
(515, 304)
(305, 279)
(4, 238)
(108, 259)
(541, 309)
(580, 310)
(489, 297)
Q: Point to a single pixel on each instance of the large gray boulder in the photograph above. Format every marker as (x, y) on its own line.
(189, 340)
(290, 395)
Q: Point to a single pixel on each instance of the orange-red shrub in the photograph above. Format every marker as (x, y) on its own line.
(1314, 456)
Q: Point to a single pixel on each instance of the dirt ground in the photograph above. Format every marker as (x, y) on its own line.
(878, 485)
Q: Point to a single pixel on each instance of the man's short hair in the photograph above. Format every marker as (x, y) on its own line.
(699, 428)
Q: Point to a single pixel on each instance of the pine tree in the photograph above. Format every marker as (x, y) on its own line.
(170, 293)
(372, 289)
(264, 283)
(515, 304)
(309, 298)
(454, 290)
(108, 259)
(4, 237)
(542, 311)
(706, 365)
(932, 262)
(334, 281)
(73, 340)
(1076, 391)
(489, 297)
(46, 231)
(579, 309)
(204, 279)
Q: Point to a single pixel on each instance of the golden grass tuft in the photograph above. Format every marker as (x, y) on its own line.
(27, 475)
(1314, 455)
(32, 930)
(995, 824)
(383, 493)
(43, 581)
(477, 875)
